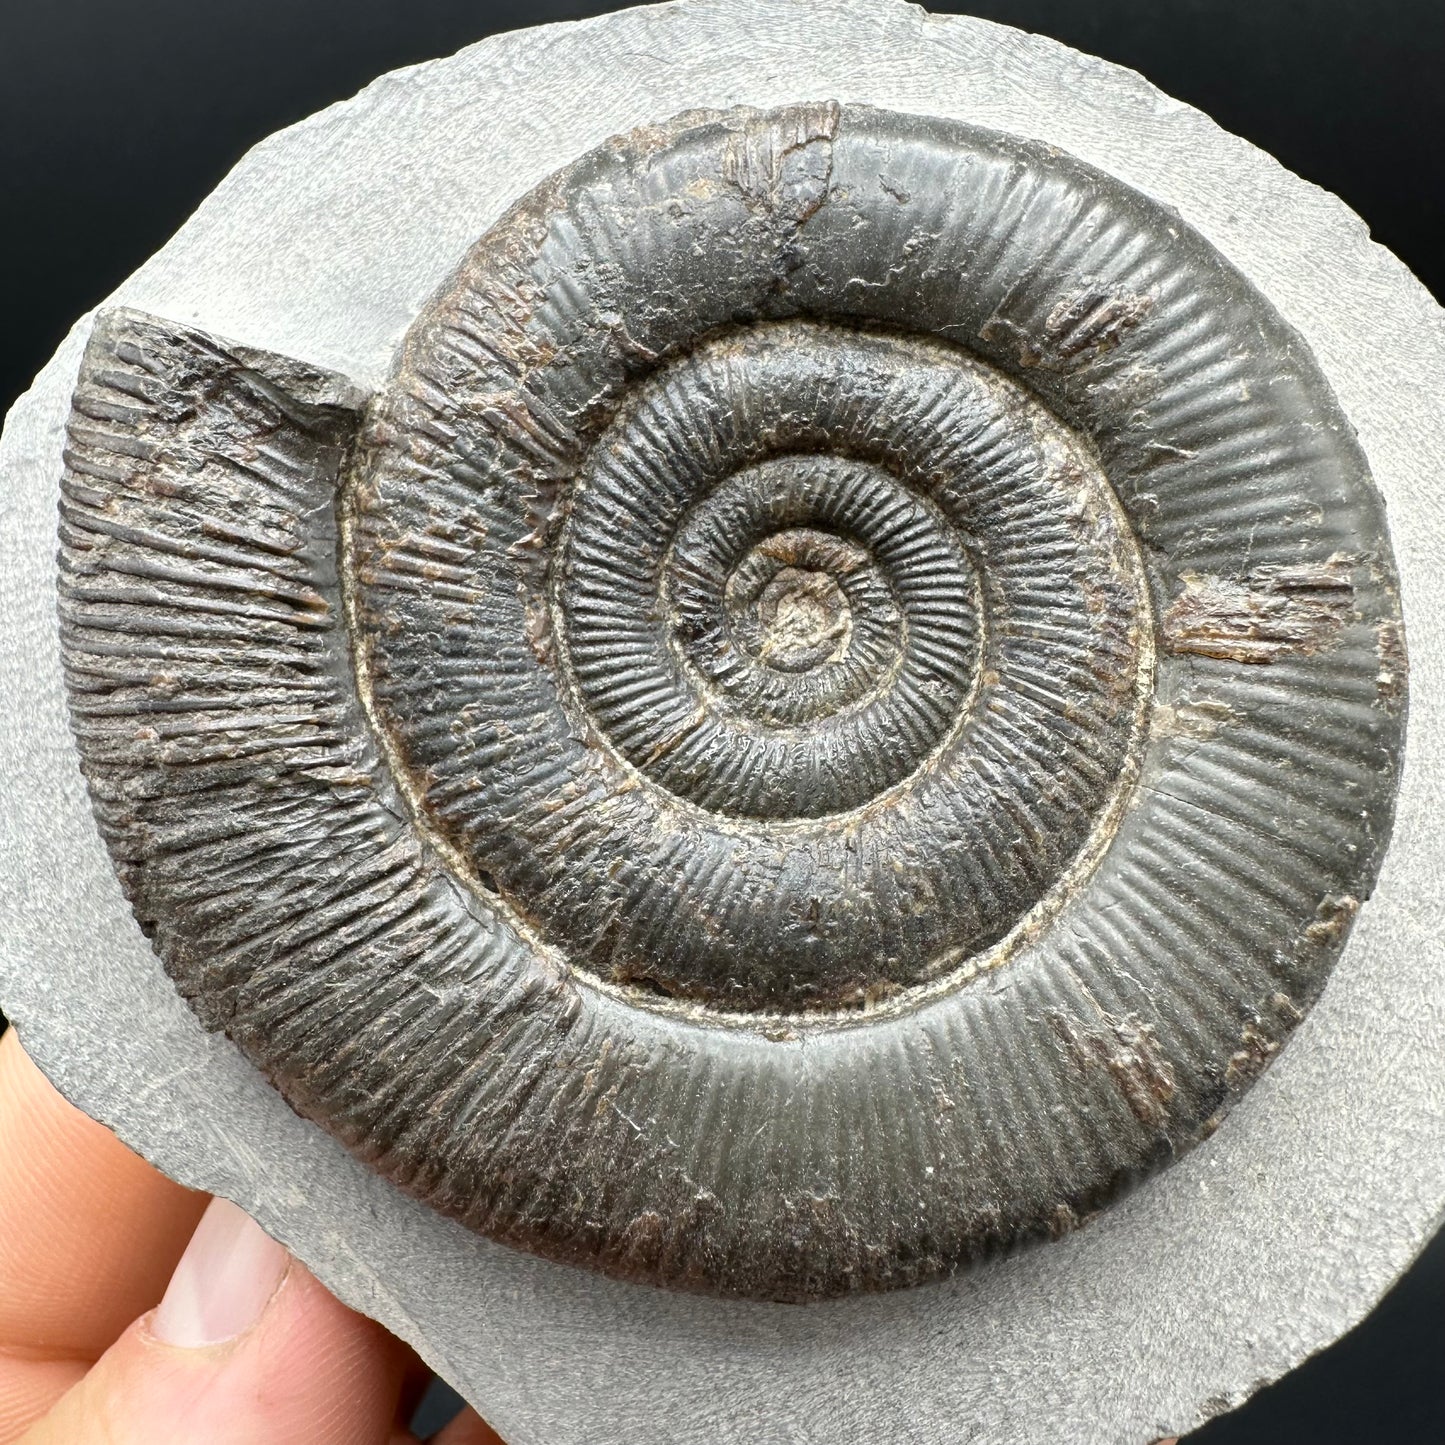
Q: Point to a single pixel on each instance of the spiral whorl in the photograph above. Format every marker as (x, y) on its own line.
(832, 615)
(835, 711)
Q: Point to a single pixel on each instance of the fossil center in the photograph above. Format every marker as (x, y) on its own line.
(802, 619)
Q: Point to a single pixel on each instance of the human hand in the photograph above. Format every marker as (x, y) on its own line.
(241, 1347)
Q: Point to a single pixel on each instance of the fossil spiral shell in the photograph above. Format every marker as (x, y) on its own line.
(835, 712)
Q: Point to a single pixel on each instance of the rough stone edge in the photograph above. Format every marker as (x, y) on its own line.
(1381, 298)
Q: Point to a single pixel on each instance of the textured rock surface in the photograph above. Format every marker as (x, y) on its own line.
(1197, 1288)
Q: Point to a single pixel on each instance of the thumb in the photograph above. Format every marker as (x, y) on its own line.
(246, 1348)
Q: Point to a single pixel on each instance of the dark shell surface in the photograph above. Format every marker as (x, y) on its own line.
(834, 714)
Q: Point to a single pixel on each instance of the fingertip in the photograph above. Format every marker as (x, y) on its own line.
(29, 1387)
(89, 1232)
(223, 1282)
(304, 1371)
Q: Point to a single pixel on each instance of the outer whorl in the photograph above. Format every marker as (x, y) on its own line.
(835, 712)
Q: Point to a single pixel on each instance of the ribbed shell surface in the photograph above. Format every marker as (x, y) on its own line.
(836, 711)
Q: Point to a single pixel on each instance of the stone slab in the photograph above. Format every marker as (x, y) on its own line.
(1259, 1248)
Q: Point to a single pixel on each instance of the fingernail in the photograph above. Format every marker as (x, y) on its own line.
(224, 1281)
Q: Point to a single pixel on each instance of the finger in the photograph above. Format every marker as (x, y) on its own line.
(469, 1429)
(89, 1234)
(29, 1386)
(245, 1347)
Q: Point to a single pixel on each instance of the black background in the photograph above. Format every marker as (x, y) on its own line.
(118, 116)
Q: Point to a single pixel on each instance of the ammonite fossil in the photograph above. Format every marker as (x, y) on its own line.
(834, 713)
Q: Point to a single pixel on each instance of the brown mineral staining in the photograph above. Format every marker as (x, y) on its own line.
(1255, 1053)
(1274, 612)
(783, 168)
(1128, 1050)
(644, 1237)
(1063, 1221)
(1394, 664)
(1260, 1040)
(1087, 324)
(1332, 921)
(1199, 720)
(539, 633)
(1095, 320)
